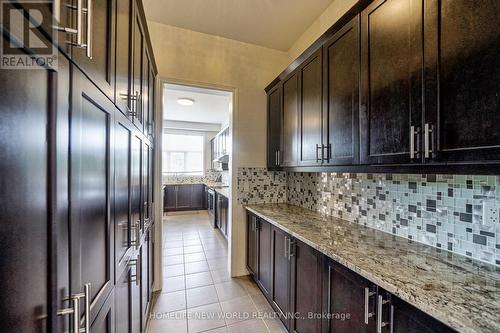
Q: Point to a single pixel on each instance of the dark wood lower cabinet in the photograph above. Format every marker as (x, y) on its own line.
(264, 278)
(408, 319)
(281, 273)
(345, 300)
(183, 197)
(313, 293)
(252, 245)
(306, 277)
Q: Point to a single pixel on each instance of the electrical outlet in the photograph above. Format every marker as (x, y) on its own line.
(491, 213)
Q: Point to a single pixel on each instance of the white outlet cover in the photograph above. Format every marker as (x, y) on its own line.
(490, 214)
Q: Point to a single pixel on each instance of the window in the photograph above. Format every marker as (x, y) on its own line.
(183, 154)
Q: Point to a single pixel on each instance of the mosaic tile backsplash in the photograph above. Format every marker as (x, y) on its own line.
(453, 212)
(258, 185)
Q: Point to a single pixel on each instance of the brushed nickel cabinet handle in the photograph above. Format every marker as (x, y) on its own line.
(90, 28)
(368, 314)
(380, 304)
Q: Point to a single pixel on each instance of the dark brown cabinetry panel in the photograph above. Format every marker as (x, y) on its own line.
(136, 190)
(391, 60)
(408, 319)
(306, 292)
(274, 127)
(183, 196)
(99, 64)
(345, 295)
(462, 80)
(123, 88)
(197, 195)
(252, 244)
(281, 243)
(341, 91)
(310, 110)
(169, 198)
(122, 196)
(24, 264)
(265, 261)
(123, 302)
(290, 118)
(137, 70)
(90, 183)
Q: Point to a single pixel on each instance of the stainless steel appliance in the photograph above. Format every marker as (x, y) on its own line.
(211, 205)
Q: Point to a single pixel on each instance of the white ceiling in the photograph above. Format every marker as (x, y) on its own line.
(275, 24)
(210, 106)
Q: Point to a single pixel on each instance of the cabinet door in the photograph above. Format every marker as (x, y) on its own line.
(265, 257)
(341, 90)
(122, 223)
(310, 111)
(197, 196)
(462, 44)
(104, 321)
(252, 243)
(307, 265)
(90, 183)
(184, 196)
(123, 302)
(123, 89)
(25, 264)
(144, 279)
(137, 68)
(345, 295)
(170, 198)
(135, 292)
(98, 33)
(408, 319)
(290, 120)
(136, 190)
(281, 274)
(151, 260)
(391, 80)
(274, 127)
(151, 109)
(146, 185)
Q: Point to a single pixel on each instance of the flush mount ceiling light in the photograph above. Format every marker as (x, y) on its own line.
(185, 101)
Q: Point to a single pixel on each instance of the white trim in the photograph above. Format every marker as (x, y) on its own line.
(158, 171)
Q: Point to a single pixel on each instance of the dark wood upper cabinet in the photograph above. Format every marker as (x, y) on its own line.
(136, 190)
(137, 70)
(462, 80)
(341, 56)
(290, 120)
(97, 58)
(306, 292)
(274, 128)
(124, 10)
(122, 223)
(24, 148)
(310, 111)
(281, 247)
(391, 84)
(90, 182)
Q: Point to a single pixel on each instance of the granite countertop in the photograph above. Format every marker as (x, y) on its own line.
(208, 183)
(460, 292)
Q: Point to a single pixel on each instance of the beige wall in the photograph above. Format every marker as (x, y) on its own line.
(186, 56)
(192, 57)
(335, 11)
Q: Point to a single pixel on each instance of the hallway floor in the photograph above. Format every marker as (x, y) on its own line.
(198, 294)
